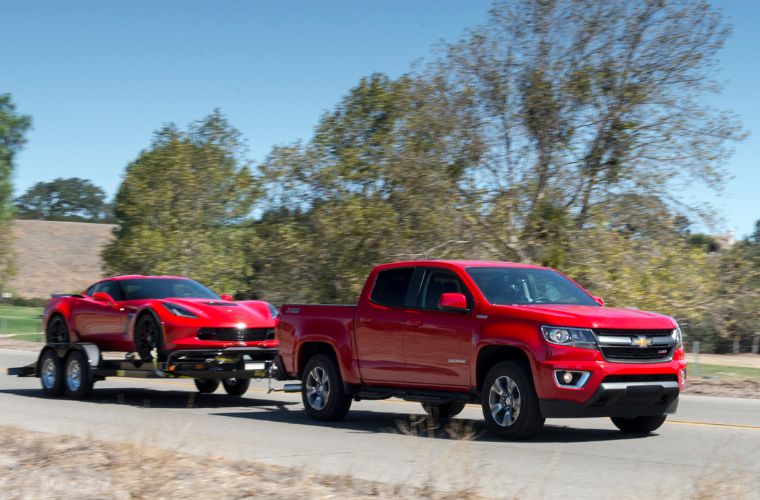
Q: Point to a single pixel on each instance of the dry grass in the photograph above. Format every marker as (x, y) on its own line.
(57, 256)
(37, 465)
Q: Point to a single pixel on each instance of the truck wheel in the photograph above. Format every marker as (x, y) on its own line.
(206, 385)
(57, 331)
(51, 374)
(638, 425)
(78, 380)
(148, 337)
(322, 390)
(236, 386)
(510, 404)
(444, 411)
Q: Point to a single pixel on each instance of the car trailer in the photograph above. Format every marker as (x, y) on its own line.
(73, 368)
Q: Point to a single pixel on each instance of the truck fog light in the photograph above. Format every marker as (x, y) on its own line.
(571, 379)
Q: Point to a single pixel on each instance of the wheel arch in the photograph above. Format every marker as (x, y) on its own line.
(490, 355)
(146, 311)
(308, 350)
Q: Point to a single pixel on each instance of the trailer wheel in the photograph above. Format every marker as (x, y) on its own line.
(51, 373)
(206, 385)
(78, 378)
(322, 390)
(236, 386)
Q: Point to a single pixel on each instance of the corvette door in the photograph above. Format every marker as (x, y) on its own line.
(101, 322)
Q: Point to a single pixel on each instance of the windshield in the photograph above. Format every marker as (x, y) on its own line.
(137, 289)
(512, 285)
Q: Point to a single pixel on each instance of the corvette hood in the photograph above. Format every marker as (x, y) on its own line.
(590, 316)
(223, 313)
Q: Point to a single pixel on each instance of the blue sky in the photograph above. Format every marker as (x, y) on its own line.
(99, 77)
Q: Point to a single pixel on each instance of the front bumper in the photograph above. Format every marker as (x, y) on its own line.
(611, 389)
(618, 399)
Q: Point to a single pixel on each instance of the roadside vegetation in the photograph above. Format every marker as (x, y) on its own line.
(20, 322)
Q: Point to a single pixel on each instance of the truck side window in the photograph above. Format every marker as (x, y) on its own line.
(391, 286)
(440, 281)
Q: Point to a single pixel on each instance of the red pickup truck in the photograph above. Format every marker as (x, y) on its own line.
(526, 342)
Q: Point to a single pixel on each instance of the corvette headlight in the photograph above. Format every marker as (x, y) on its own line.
(572, 337)
(677, 337)
(178, 310)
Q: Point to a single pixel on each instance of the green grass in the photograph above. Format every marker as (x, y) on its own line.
(723, 371)
(22, 322)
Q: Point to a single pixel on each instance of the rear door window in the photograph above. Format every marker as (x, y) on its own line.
(391, 287)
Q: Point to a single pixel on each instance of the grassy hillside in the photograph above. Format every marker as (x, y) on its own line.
(22, 323)
(57, 257)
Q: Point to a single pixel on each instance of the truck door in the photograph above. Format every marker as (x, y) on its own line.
(380, 324)
(437, 344)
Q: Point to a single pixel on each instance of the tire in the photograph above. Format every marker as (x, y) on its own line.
(57, 332)
(639, 425)
(51, 374)
(236, 386)
(509, 401)
(445, 411)
(206, 385)
(77, 372)
(322, 391)
(147, 336)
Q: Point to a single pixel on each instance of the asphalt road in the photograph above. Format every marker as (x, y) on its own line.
(712, 444)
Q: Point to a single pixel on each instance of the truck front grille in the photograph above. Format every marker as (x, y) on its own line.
(236, 334)
(635, 346)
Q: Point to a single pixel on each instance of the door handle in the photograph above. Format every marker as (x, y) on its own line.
(414, 323)
(366, 319)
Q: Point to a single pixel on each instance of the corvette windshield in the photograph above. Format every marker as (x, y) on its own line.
(137, 289)
(513, 285)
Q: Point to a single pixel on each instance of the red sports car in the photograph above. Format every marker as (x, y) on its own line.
(146, 314)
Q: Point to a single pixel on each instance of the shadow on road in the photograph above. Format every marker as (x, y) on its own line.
(422, 427)
(144, 398)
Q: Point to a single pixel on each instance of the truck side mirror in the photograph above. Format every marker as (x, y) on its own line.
(454, 302)
(599, 300)
(104, 297)
(226, 297)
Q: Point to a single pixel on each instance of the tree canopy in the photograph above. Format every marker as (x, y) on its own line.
(13, 128)
(181, 203)
(71, 199)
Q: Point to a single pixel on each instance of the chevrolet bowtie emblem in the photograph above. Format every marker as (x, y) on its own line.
(642, 342)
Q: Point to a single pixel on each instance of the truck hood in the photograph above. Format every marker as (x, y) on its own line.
(589, 316)
(219, 312)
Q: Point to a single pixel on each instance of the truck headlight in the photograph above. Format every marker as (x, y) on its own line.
(572, 337)
(677, 337)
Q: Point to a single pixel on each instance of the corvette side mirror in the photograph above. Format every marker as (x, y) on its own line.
(226, 297)
(599, 300)
(454, 302)
(104, 297)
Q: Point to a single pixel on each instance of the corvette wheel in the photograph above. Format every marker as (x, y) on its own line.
(57, 331)
(236, 386)
(147, 338)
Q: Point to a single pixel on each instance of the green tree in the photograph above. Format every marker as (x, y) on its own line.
(578, 102)
(182, 205)
(71, 199)
(13, 127)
